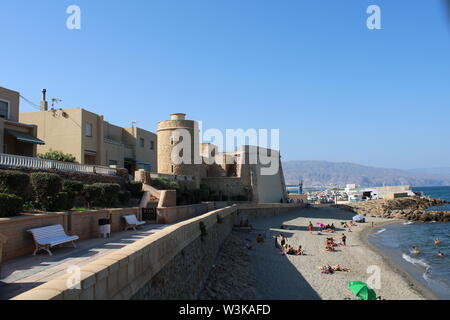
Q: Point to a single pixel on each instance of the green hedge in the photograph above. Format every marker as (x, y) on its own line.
(91, 193)
(46, 189)
(73, 190)
(135, 189)
(14, 182)
(73, 186)
(10, 205)
(101, 194)
(124, 197)
(164, 184)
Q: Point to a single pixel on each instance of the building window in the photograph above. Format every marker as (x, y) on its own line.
(112, 162)
(142, 142)
(152, 145)
(4, 109)
(88, 130)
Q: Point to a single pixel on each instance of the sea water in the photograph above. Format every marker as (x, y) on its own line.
(396, 241)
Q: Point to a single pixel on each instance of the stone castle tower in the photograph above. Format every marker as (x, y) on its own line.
(166, 145)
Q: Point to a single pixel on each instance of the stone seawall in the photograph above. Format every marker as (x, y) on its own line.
(412, 209)
(171, 264)
(184, 276)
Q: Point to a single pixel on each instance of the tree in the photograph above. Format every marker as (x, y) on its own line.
(57, 156)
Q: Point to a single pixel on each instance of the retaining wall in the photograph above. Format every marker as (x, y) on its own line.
(83, 224)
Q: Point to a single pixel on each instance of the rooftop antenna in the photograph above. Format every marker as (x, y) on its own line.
(55, 101)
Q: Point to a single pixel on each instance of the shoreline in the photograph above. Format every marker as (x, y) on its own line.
(412, 282)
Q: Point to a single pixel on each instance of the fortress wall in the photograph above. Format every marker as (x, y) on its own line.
(229, 186)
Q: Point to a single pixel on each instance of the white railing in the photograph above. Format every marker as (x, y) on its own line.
(11, 160)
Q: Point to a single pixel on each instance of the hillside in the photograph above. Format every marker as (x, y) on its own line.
(323, 173)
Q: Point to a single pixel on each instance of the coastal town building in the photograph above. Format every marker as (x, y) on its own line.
(15, 137)
(228, 173)
(92, 140)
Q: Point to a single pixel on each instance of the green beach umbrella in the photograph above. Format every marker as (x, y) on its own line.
(362, 290)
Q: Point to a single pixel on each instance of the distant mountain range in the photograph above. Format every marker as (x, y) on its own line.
(332, 174)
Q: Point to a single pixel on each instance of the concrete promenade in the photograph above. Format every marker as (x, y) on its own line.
(27, 272)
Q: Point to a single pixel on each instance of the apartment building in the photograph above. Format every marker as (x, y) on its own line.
(92, 140)
(15, 137)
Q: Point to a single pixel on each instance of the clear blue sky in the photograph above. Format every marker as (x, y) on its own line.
(336, 90)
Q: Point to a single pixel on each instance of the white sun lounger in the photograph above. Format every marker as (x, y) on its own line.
(48, 237)
(132, 222)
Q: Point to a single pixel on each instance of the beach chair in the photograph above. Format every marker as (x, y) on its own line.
(132, 222)
(48, 237)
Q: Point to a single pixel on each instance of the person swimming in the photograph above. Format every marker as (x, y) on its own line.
(437, 242)
(441, 254)
(415, 250)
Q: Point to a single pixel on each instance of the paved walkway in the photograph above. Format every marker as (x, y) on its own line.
(24, 273)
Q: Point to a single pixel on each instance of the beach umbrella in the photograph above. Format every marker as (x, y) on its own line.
(362, 290)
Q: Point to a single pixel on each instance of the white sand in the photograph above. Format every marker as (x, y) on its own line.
(299, 277)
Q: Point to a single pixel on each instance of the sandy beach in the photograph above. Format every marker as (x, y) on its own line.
(275, 276)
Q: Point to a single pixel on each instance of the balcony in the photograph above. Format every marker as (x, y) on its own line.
(9, 160)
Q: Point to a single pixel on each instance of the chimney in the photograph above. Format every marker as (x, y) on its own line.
(44, 103)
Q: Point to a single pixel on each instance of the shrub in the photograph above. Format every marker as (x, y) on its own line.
(73, 186)
(63, 201)
(10, 205)
(101, 194)
(91, 193)
(57, 156)
(135, 188)
(14, 182)
(46, 187)
(124, 197)
(73, 189)
(110, 193)
(164, 184)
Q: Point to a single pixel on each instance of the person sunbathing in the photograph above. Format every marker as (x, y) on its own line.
(339, 268)
(329, 248)
(300, 251)
(326, 269)
(259, 239)
(291, 251)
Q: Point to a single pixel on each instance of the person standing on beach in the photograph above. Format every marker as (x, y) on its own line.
(344, 239)
(310, 227)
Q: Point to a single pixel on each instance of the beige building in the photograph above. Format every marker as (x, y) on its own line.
(92, 140)
(15, 137)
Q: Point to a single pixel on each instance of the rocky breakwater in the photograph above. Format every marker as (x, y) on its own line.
(413, 209)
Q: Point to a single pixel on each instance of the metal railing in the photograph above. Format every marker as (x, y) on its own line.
(11, 160)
